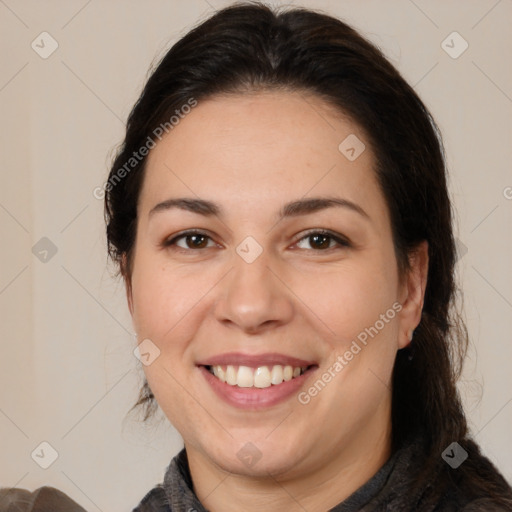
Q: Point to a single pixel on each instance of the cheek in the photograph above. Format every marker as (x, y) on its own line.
(359, 305)
(163, 296)
(350, 299)
(342, 301)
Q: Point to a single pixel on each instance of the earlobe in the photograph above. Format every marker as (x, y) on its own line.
(413, 293)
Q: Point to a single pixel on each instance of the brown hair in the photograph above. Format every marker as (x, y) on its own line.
(249, 47)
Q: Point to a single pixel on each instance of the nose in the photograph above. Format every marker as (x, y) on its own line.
(254, 296)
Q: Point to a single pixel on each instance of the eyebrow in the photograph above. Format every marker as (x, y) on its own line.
(292, 209)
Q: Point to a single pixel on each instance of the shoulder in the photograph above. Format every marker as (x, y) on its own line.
(154, 501)
(175, 492)
(422, 480)
(486, 505)
(459, 500)
(44, 499)
(476, 485)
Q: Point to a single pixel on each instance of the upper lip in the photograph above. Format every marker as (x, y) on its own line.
(254, 361)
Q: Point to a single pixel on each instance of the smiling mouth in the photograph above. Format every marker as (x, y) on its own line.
(260, 377)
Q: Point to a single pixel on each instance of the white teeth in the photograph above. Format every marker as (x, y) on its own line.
(231, 377)
(245, 377)
(277, 374)
(261, 377)
(219, 372)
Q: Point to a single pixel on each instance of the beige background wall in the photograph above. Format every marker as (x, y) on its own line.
(67, 373)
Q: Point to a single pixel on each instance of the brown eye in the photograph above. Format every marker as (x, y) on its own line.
(320, 241)
(323, 240)
(189, 240)
(196, 241)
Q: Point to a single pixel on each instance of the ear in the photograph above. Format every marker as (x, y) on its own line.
(412, 293)
(127, 282)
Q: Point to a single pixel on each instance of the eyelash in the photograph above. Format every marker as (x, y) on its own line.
(342, 243)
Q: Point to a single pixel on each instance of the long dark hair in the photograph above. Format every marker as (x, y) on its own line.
(250, 47)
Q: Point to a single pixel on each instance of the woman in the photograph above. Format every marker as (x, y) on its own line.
(280, 215)
(282, 240)
(286, 234)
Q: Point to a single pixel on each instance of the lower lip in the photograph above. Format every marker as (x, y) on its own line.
(255, 398)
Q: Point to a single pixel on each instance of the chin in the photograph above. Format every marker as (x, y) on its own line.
(259, 459)
(275, 466)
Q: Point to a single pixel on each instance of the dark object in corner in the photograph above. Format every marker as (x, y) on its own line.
(44, 499)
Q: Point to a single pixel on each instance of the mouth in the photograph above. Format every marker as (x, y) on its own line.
(260, 377)
(254, 382)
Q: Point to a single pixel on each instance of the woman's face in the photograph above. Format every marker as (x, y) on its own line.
(258, 287)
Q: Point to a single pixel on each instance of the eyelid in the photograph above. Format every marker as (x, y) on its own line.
(171, 241)
(342, 241)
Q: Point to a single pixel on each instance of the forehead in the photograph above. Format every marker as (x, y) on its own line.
(266, 146)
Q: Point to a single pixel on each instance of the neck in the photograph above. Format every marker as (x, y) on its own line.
(315, 490)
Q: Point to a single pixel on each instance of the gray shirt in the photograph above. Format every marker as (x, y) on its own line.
(392, 488)
(395, 487)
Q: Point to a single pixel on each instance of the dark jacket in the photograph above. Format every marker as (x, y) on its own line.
(389, 490)
(394, 488)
